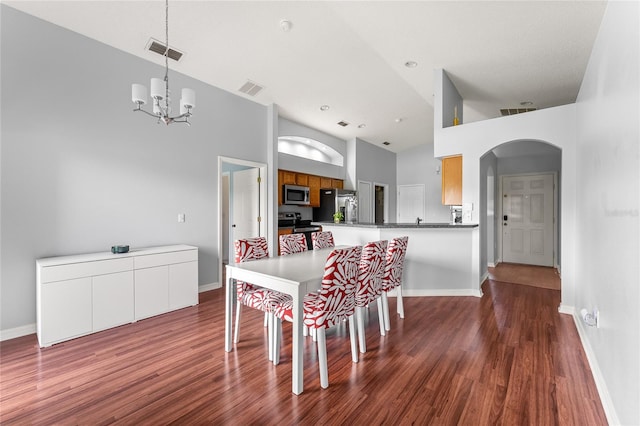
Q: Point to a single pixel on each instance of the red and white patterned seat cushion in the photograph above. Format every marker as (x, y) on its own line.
(292, 243)
(371, 271)
(335, 301)
(248, 294)
(322, 240)
(394, 263)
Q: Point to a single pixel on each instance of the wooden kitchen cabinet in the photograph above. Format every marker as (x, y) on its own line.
(325, 182)
(288, 178)
(452, 180)
(314, 190)
(315, 183)
(302, 179)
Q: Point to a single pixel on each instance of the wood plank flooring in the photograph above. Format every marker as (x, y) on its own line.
(506, 358)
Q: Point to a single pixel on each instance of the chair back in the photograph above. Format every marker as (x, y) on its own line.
(371, 271)
(246, 250)
(394, 263)
(336, 297)
(322, 240)
(292, 243)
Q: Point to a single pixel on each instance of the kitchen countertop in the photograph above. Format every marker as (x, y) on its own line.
(398, 225)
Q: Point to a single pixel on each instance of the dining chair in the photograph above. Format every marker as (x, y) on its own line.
(392, 278)
(292, 243)
(250, 295)
(333, 303)
(322, 239)
(371, 271)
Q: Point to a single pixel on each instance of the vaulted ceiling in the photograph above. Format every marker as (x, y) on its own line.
(352, 55)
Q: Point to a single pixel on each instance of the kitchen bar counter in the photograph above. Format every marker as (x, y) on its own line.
(442, 259)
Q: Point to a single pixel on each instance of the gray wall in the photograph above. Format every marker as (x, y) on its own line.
(376, 165)
(81, 171)
(418, 166)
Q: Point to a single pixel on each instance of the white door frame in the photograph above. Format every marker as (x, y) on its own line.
(555, 213)
(385, 191)
(263, 203)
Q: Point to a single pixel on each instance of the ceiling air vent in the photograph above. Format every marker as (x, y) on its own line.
(343, 123)
(159, 48)
(250, 88)
(513, 111)
(386, 143)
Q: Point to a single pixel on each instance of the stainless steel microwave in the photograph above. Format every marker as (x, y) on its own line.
(293, 194)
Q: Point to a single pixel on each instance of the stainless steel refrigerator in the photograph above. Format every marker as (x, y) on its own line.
(336, 200)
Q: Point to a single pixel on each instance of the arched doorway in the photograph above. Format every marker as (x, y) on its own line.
(514, 158)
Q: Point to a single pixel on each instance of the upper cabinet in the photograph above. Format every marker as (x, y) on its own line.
(452, 180)
(286, 177)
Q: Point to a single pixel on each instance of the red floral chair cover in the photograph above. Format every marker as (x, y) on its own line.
(372, 266)
(292, 243)
(371, 270)
(393, 276)
(394, 263)
(247, 250)
(250, 295)
(322, 240)
(331, 304)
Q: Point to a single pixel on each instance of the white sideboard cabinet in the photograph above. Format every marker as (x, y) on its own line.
(83, 294)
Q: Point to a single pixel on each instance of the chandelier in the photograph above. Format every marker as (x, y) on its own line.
(160, 91)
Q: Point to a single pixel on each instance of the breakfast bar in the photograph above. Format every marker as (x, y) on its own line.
(442, 259)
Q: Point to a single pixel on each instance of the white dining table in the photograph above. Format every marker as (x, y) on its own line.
(294, 274)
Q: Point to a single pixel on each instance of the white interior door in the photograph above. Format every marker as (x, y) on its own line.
(527, 219)
(246, 204)
(365, 201)
(410, 203)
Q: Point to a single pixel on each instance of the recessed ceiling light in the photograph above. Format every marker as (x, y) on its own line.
(411, 64)
(324, 107)
(362, 126)
(398, 120)
(526, 103)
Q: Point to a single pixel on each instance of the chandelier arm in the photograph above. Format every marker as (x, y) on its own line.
(145, 111)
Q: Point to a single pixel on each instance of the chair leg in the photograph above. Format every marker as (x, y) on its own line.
(270, 334)
(385, 308)
(277, 322)
(360, 322)
(352, 337)
(237, 333)
(322, 358)
(266, 319)
(399, 302)
(383, 332)
(305, 330)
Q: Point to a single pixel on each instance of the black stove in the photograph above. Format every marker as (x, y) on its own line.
(293, 220)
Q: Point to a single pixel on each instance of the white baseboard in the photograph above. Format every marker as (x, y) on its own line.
(566, 309)
(491, 265)
(207, 287)
(603, 391)
(436, 293)
(13, 333)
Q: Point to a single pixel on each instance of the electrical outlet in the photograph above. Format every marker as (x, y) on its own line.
(181, 217)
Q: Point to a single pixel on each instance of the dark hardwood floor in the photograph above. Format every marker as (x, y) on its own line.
(508, 358)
